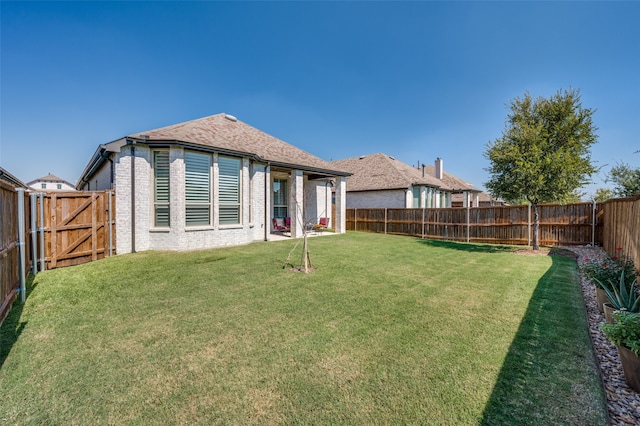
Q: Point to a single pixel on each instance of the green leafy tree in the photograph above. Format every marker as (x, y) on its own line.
(626, 180)
(603, 194)
(544, 152)
(575, 197)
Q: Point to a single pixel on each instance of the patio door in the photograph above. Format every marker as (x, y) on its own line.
(280, 198)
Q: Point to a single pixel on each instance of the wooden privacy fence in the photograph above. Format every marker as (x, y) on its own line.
(11, 270)
(570, 224)
(78, 227)
(622, 227)
(59, 229)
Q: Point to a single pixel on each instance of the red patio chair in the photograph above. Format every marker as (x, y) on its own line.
(322, 225)
(281, 224)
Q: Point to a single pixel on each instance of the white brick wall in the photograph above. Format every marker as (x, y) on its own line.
(258, 206)
(317, 196)
(178, 236)
(296, 203)
(340, 221)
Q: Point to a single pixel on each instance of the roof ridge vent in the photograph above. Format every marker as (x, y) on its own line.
(230, 117)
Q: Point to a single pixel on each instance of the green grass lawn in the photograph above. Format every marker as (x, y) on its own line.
(386, 330)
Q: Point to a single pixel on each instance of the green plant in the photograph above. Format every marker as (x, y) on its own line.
(620, 297)
(605, 273)
(625, 331)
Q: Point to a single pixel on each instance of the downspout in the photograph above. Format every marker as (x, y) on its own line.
(267, 225)
(111, 172)
(133, 196)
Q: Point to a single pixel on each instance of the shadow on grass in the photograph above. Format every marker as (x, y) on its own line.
(549, 375)
(470, 247)
(12, 328)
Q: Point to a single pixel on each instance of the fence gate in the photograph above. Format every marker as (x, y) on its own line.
(79, 227)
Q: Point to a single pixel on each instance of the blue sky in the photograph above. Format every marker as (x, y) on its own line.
(415, 80)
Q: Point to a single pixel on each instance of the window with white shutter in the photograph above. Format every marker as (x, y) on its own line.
(197, 188)
(161, 184)
(229, 194)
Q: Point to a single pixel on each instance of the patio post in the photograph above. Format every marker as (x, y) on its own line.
(340, 223)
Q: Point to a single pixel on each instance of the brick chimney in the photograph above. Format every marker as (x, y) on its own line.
(439, 165)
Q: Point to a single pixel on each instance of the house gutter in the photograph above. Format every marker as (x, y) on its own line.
(99, 157)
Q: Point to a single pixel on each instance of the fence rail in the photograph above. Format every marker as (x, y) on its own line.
(570, 224)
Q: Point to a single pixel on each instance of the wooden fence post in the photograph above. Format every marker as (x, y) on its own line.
(42, 229)
(529, 224)
(34, 233)
(94, 227)
(593, 224)
(21, 245)
(385, 220)
(468, 218)
(53, 231)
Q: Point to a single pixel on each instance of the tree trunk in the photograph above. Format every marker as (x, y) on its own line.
(305, 255)
(536, 227)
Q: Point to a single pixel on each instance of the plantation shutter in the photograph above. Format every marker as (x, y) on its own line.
(161, 188)
(416, 197)
(229, 190)
(197, 188)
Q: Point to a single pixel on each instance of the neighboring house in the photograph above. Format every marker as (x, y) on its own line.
(51, 183)
(211, 182)
(10, 179)
(464, 194)
(478, 200)
(381, 181)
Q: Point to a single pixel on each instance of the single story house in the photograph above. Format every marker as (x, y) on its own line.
(381, 181)
(211, 182)
(51, 183)
(481, 199)
(463, 193)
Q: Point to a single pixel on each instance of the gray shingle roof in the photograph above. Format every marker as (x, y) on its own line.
(50, 178)
(381, 172)
(453, 182)
(225, 132)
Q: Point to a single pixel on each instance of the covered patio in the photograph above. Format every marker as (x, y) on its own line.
(301, 200)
